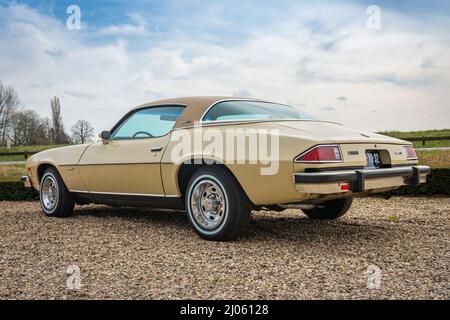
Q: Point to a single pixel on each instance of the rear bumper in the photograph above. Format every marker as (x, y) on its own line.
(360, 180)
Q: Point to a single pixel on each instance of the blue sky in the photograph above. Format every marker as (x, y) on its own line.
(318, 55)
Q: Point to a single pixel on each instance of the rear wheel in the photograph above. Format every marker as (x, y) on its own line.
(56, 200)
(216, 205)
(329, 210)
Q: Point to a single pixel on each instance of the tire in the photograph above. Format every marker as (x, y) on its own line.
(226, 215)
(55, 199)
(329, 210)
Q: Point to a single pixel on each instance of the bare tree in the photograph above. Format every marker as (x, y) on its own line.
(58, 133)
(28, 128)
(47, 130)
(9, 103)
(82, 131)
(57, 125)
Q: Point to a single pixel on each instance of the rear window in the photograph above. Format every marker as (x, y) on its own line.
(253, 110)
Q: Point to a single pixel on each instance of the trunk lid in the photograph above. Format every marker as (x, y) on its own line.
(336, 133)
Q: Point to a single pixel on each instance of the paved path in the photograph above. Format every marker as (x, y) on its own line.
(11, 163)
(433, 149)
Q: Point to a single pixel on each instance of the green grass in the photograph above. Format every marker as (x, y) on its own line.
(12, 158)
(29, 148)
(420, 134)
(24, 149)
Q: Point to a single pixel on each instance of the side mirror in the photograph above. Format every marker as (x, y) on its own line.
(105, 136)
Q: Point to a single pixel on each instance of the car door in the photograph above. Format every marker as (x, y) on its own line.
(129, 162)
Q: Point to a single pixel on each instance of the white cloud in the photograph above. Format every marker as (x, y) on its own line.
(139, 26)
(312, 57)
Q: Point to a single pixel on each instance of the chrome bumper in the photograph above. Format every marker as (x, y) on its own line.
(26, 180)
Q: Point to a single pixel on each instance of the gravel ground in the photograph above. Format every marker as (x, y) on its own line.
(129, 253)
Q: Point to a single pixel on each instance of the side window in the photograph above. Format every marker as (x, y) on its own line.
(148, 123)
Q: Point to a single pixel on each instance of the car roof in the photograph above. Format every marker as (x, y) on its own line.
(195, 107)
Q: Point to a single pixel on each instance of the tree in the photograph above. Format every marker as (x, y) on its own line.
(28, 128)
(82, 131)
(47, 130)
(9, 103)
(59, 136)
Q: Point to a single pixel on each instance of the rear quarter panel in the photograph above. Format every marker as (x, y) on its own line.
(260, 188)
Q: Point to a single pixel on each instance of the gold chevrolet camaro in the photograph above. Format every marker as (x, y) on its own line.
(218, 158)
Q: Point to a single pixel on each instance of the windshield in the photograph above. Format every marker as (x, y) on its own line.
(253, 110)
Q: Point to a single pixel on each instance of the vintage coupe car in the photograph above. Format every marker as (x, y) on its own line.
(319, 166)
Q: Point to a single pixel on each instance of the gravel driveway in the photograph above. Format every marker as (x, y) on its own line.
(397, 248)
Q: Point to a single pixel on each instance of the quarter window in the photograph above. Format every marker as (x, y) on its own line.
(148, 123)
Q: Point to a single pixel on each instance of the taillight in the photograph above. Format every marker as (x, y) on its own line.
(328, 153)
(410, 153)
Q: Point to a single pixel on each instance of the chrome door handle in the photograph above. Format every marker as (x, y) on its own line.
(156, 149)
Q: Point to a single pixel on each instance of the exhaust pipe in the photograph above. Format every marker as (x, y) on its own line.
(306, 206)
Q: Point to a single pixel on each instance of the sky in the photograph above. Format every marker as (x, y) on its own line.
(333, 59)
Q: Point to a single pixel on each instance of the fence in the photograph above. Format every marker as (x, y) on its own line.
(425, 139)
(26, 154)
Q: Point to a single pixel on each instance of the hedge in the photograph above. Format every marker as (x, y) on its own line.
(15, 191)
(438, 183)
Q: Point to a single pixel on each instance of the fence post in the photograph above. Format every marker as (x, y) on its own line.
(423, 142)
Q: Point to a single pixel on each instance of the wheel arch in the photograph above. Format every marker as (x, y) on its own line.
(41, 168)
(187, 169)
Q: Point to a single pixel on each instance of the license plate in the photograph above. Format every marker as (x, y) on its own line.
(373, 159)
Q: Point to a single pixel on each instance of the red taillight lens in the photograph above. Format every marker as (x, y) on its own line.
(321, 154)
(410, 153)
(345, 186)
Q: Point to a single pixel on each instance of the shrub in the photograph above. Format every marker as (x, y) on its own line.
(438, 182)
(15, 191)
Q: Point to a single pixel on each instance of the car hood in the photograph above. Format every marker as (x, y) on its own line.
(69, 155)
(335, 133)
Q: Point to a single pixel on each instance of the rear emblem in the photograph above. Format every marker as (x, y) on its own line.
(353, 153)
(365, 135)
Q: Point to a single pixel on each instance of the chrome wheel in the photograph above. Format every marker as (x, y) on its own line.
(208, 204)
(49, 193)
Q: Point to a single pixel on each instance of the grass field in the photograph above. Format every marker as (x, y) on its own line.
(24, 149)
(29, 148)
(420, 134)
(11, 173)
(14, 172)
(434, 159)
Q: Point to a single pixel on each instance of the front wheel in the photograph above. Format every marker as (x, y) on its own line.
(330, 210)
(56, 200)
(216, 205)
